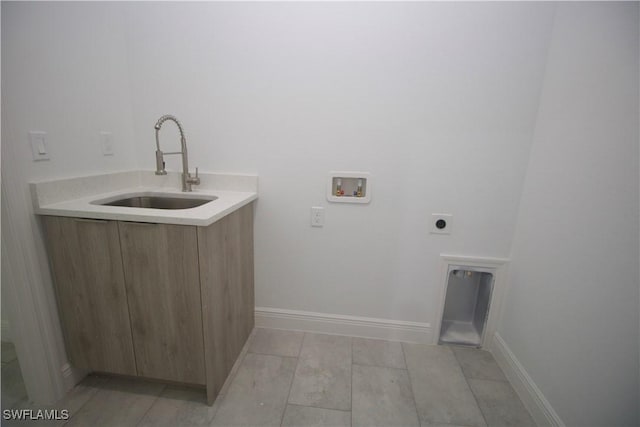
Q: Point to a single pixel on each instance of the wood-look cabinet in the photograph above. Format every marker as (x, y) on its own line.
(91, 294)
(169, 302)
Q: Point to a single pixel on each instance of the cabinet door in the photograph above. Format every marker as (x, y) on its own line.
(163, 286)
(87, 271)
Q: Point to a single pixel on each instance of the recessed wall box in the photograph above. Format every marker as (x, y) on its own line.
(466, 306)
(471, 293)
(349, 187)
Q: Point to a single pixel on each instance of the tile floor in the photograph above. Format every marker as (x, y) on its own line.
(287, 378)
(13, 392)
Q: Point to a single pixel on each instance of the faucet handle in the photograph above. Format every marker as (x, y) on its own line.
(194, 179)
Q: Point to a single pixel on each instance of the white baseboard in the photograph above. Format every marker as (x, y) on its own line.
(539, 407)
(365, 327)
(72, 376)
(69, 376)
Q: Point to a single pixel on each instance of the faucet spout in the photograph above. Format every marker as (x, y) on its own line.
(187, 179)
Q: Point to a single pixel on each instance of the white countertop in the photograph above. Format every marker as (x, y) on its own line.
(73, 197)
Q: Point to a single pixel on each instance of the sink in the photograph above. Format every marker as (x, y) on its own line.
(156, 201)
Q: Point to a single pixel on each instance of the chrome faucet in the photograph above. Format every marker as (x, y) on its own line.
(187, 179)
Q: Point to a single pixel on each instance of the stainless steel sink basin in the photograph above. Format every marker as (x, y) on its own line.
(158, 201)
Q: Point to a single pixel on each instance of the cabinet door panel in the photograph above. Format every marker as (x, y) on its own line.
(163, 285)
(87, 270)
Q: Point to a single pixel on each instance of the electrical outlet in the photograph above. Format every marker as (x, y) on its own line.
(106, 142)
(441, 223)
(317, 216)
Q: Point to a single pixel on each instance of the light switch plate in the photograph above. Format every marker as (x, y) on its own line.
(106, 142)
(38, 141)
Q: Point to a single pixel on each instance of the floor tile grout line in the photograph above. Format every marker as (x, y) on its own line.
(378, 366)
(413, 396)
(505, 380)
(488, 379)
(271, 354)
(107, 380)
(295, 369)
(351, 367)
(466, 380)
(318, 407)
(232, 376)
(164, 387)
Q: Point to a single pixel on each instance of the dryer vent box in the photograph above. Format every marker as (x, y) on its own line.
(466, 306)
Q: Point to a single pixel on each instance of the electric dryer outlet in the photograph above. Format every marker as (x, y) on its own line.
(441, 223)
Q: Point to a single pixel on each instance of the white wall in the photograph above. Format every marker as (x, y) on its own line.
(437, 101)
(571, 315)
(63, 72)
(66, 74)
